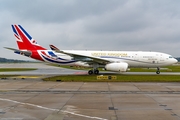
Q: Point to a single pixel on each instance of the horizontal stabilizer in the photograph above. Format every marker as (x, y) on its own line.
(21, 52)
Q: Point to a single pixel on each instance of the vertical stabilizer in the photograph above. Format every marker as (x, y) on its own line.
(24, 40)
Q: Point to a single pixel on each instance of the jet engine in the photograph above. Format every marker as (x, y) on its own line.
(117, 67)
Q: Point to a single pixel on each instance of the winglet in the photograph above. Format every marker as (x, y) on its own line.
(54, 48)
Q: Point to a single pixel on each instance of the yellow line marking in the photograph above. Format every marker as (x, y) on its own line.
(27, 77)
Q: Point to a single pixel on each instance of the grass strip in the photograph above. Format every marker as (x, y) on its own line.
(16, 69)
(5, 76)
(120, 78)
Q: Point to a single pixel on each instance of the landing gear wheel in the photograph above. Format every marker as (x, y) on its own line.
(90, 72)
(157, 72)
(96, 72)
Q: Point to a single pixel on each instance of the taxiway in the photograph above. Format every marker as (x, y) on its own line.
(27, 97)
(38, 100)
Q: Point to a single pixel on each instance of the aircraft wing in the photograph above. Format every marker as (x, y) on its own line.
(81, 57)
(22, 52)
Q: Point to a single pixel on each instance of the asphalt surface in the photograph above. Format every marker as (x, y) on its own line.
(27, 97)
(38, 100)
(42, 69)
(45, 69)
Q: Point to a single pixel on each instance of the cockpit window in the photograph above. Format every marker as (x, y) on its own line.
(170, 57)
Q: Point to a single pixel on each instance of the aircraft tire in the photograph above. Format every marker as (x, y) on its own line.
(157, 72)
(90, 72)
(96, 72)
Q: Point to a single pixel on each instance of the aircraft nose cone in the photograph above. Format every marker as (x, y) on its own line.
(176, 60)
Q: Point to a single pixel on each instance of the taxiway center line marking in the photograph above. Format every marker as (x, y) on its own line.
(38, 106)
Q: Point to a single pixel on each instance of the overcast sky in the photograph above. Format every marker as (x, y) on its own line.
(131, 25)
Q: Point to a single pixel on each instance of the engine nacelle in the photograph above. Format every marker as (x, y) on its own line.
(117, 67)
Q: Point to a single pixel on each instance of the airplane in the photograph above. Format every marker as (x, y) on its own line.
(116, 61)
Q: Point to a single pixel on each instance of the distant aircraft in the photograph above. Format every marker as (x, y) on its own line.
(117, 61)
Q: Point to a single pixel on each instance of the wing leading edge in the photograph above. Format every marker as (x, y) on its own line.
(81, 57)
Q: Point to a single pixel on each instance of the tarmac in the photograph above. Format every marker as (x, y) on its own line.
(27, 97)
(34, 99)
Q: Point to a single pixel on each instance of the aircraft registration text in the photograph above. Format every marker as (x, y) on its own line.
(109, 54)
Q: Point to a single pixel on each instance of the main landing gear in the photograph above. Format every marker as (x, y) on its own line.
(95, 71)
(158, 70)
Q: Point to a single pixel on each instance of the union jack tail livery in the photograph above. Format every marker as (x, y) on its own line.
(24, 40)
(117, 61)
(26, 44)
(29, 47)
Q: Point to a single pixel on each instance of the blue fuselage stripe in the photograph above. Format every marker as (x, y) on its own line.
(50, 60)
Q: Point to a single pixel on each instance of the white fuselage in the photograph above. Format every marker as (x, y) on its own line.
(132, 58)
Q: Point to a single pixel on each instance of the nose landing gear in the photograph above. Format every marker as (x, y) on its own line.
(158, 70)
